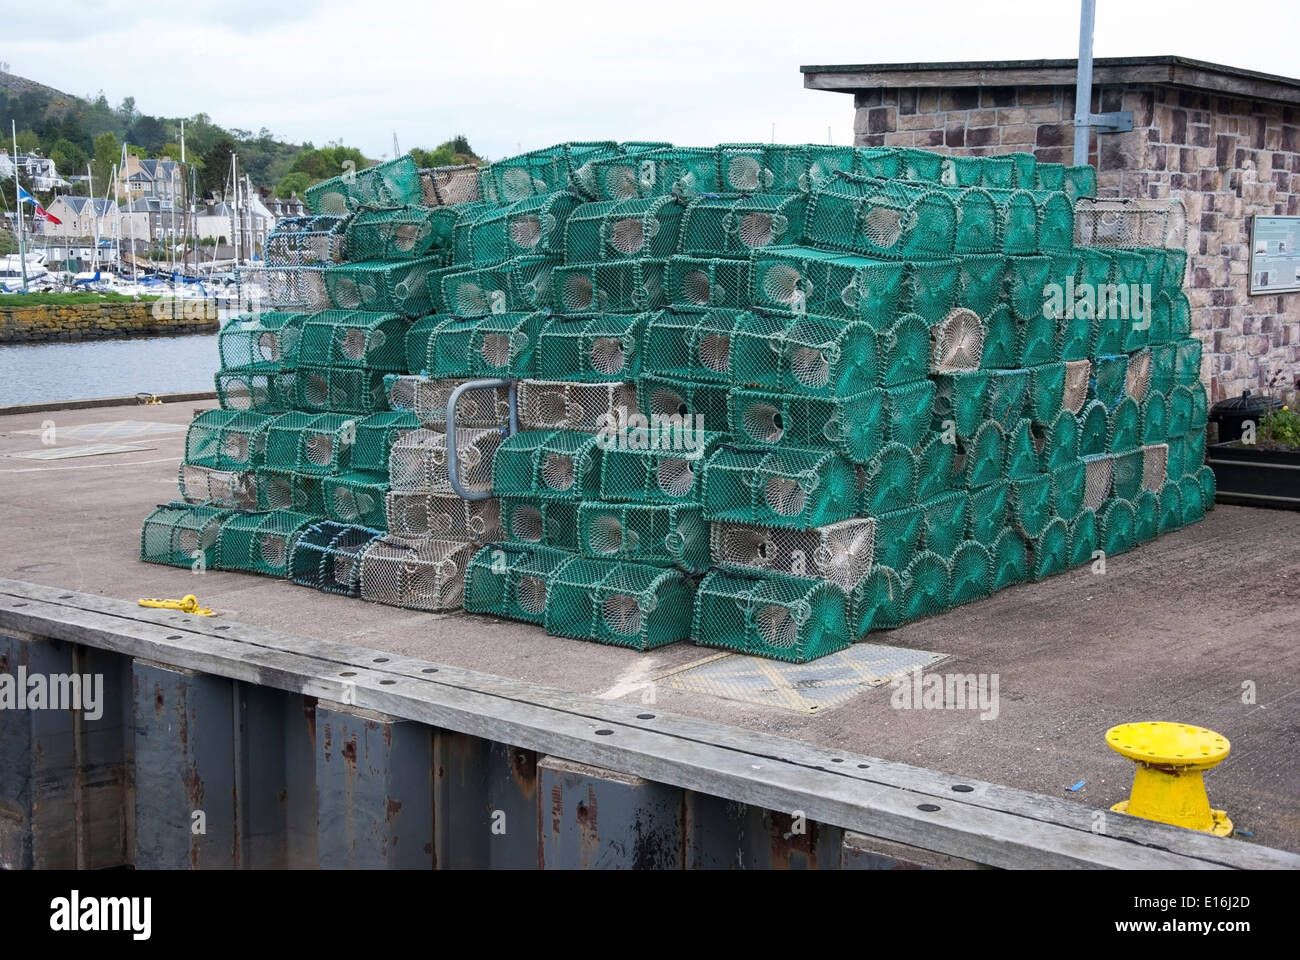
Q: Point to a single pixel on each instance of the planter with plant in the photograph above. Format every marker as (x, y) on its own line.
(1260, 467)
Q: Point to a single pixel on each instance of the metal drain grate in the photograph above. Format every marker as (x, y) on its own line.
(803, 687)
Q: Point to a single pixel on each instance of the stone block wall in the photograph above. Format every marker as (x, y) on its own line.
(98, 321)
(1227, 159)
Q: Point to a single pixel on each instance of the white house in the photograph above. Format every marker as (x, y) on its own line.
(81, 217)
(34, 172)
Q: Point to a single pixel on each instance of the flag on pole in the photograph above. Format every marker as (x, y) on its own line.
(41, 212)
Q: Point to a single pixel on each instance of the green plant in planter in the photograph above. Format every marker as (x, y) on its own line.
(1282, 427)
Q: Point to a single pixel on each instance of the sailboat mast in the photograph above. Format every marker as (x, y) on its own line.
(18, 208)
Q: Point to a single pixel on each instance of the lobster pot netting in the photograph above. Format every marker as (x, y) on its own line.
(961, 398)
(957, 342)
(1083, 538)
(327, 556)
(402, 233)
(392, 184)
(1116, 527)
(418, 460)
(339, 390)
(692, 343)
(793, 488)
(882, 218)
(1010, 559)
(521, 284)
(734, 225)
(264, 391)
(1146, 516)
(260, 341)
(306, 241)
(296, 289)
(1171, 507)
(1020, 459)
(1046, 391)
(1069, 489)
(232, 489)
(551, 523)
(182, 535)
(227, 439)
(1187, 362)
(707, 281)
(613, 229)
(674, 405)
(644, 466)
(422, 574)
(260, 542)
(803, 280)
(548, 464)
(375, 435)
(978, 460)
(926, 586)
(840, 553)
(498, 345)
(479, 407)
(1049, 552)
(1078, 376)
(563, 405)
(855, 425)
(319, 443)
(1164, 357)
(448, 186)
(1155, 458)
(1123, 426)
(590, 347)
(534, 225)
(657, 534)
(981, 279)
(357, 497)
(393, 286)
(898, 536)
(1099, 470)
(1031, 504)
(1154, 418)
(624, 604)
(351, 338)
(537, 172)
(616, 286)
(818, 356)
(904, 351)
(888, 480)
(1130, 223)
(1057, 441)
(1001, 339)
(442, 515)
(970, 573)
(781, 618)
(1008, 392)
(909, 409)
(513, 580)
(877, 602)
(279, 489)
(988, 512)
(945, 518)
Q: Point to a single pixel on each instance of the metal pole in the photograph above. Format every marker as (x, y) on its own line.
(18, 209)
(1083, 86)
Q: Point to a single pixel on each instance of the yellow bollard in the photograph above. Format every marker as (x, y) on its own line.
(1168, 786)
(187, 604)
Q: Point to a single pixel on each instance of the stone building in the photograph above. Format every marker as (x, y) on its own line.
(1224, 140)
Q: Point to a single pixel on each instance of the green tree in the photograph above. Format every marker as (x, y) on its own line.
(69, 159)
(292, 183)
(107, 153)
(216, 166)
(149, 132)
(28, 141)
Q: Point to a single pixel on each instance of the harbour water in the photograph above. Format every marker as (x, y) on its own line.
(41, 373)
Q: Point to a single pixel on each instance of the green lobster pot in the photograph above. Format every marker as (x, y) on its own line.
(977, 220)
(1116, 527)
(877, 602)
(543, 171)
(660, 534)
(1031, 504)
(926, 588)
(682, 172)
(1094, 428)
(1154, 418)
(280, 489)
(909, 410)
(1046, 391)
(708, 281)
(1123, 426)
(1205, 478)
(904, 351)
(405, 233)
(988, 512)
(1036, 341)
(921, 165)
(693, 344)
(522, 284)
(800, 168)
(1083, 538)
(497, 345)
(1180, 316)
(623, 604)
(1171, 282)
(734, 225)
(357, 497)
(266, 392)
(182, 535)
(1010, 559)
(1021, 457)
(1055, 222)
(1181, 404)
(1069, 488)
(392, 184)
(889, 479)
(1076, 336)
(615, 229)
(1049, 552)
(855, 425)
(529, 227)
(936, 466)
(260, 342)
(547, 464)
(1080, 181)
(327, 557)
(1049, 176)
(550, 523)
(1146, 516)
(1017, 221)
(513, 580)
(613, 286)
(1187, 362)
(384, 286)
(888, 219)
(930, 287)
(804, 280)
(795, 488)
(970, 573)
(674, 401)
(375, 435)
(590, 347)
(259, 542)
(356, 391)
(980, 281)
(1008, 393)
(227, 439)
(1199, 415)
(1060, 441)
(1189, 487)
(780, 618)
(946, 518)
(898, 536)
(1171, 506)
(319, 443)
(815, 356)
(638, 467)
(981, 457)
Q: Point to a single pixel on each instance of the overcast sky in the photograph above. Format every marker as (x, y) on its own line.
(512, 75)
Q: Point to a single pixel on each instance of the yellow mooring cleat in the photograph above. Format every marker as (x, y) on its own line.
(1168, 786)
(187, 604)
